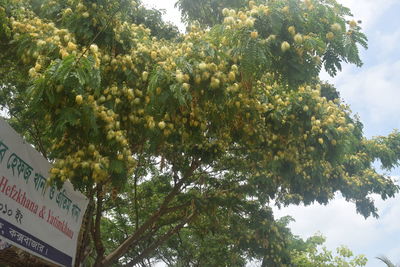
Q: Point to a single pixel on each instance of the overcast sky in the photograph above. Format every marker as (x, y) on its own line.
(373, 93)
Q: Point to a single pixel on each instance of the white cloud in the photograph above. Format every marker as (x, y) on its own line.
(373, 90)
(387, 43)
(374, 94)
(368, 11)
(172, 14)
(341, 225)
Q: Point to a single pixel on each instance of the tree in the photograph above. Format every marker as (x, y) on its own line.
(198, 247)
(207, 12)
(314, 256)
(166, 133)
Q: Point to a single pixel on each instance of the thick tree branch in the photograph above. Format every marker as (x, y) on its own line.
(82, 250)
(159, 241)
(155, 228)
(132, 240)
(175, 208)
(96, 230)
(136, 177)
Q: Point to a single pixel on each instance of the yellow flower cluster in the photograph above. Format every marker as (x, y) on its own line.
(212, 106)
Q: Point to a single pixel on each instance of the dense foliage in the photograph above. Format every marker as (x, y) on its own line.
(192, 247)
(190, 134)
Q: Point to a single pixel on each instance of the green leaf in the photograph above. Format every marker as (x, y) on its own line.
(117, 166)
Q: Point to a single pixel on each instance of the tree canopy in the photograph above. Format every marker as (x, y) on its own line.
(191, 136)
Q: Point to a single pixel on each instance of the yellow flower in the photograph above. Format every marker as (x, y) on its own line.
(180, 78)
(94, 48)
(79, 99)
(67, 11)
(298, 38)
(353, 23)
(285, 46)
(229, 20)
(161, 125)
(38, 67)
(249, 23)
(71, 46)
(336, 27)
(214, 82)
(202, 66)
(232, 76)
(330, 35)
(292, 30)
(32, 72)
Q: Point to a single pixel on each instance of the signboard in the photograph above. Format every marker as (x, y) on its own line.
(34, 216)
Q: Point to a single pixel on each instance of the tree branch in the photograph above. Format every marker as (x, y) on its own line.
(96, 230)
(161, 240)
(132, 240)
(85, 238)
(39, 140)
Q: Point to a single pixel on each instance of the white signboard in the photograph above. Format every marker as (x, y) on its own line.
(34, 216)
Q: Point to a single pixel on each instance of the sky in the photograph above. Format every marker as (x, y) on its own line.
(373, 93)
